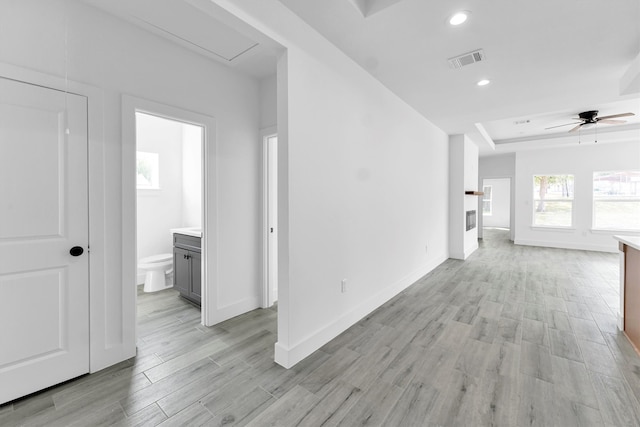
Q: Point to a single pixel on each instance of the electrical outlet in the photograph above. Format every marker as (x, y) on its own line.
(343, 286)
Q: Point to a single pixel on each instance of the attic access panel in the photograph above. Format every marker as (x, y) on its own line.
(183, 23)
(190, 25)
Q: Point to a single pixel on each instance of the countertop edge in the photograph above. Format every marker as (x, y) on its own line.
(186, 232)
(633, 241)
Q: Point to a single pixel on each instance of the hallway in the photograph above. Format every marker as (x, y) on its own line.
(515, 335)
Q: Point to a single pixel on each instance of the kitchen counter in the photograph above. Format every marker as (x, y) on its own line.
(189, 231)
(633, 241)
(629, 317)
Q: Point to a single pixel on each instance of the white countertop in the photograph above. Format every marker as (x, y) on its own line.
(633, 241)
(189, 231)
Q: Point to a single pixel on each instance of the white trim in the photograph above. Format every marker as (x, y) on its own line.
(131, 105)
(288, 357)
(565, 245)
(466, 254)
(265, 134)
(220, 314)
(552, 228)
(614, 231)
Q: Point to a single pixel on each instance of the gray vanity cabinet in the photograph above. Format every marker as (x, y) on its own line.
(187, 267)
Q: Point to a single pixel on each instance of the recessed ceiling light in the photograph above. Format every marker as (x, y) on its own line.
(458, 18)
(483, 82)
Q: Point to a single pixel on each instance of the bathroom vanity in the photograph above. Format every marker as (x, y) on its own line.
(187, 265)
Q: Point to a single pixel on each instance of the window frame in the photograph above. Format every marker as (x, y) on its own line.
(155, 182)
(490, 199)
(536, 200)
(594, 200)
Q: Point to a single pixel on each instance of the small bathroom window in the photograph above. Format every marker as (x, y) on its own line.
(147, 169)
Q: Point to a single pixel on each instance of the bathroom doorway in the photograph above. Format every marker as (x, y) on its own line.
(169, 204)
(270, 190)
(194, 210)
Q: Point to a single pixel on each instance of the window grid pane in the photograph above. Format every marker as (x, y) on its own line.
(617, 215)
(616, 200)
(486, 200)
(554, 214)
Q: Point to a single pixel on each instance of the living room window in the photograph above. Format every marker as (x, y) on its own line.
(616, 200)
(486, 200)
(553, 200)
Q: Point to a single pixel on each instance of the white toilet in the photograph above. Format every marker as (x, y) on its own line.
(156, 268)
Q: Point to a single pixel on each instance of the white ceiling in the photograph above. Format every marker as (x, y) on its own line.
(547, 60)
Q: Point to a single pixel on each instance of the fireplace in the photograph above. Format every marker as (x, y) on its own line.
(471, 220)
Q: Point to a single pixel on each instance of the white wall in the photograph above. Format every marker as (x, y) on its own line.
(499, 166)
(191, 176)
(500, 203)
(111, 58)
(463, 176)
(366, 197)
(362, 186)
(580, 161)
(159, 210)
(268, 102)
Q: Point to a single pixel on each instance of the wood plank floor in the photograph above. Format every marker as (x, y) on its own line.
(514, 336)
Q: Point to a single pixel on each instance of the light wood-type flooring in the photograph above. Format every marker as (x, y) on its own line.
(514, 336)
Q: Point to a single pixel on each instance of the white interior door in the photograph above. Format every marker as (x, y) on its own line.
(272, 215)
(44, 289)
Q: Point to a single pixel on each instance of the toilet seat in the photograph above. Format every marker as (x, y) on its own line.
(155, 259)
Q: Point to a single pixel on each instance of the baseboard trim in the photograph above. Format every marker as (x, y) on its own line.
(468, 252)
(288, 357)
(232, 310)
(564, 245)
(463, 255)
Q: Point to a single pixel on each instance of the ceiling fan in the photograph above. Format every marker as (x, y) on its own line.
(591, 117)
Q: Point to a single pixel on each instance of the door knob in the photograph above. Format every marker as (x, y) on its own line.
(76, 251)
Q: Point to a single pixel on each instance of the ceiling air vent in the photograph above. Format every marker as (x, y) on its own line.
(467, 59)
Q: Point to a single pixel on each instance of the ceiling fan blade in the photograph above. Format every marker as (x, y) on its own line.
(566, 124)
(613, 116)
(611, 122)
(577, 127)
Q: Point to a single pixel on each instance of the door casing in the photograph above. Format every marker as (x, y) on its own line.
(131, 105)
(270, 216)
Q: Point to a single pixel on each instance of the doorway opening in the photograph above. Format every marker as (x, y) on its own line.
(270, 179)
(169, 210)
(496, 204)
